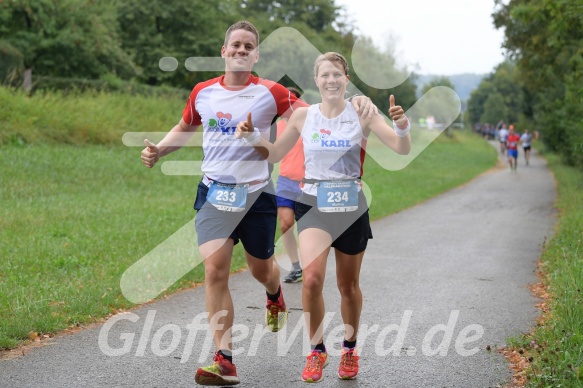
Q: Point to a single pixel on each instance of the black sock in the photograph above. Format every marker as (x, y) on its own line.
(227, 355)
(320, 347)
(275, 296)
(349, 344)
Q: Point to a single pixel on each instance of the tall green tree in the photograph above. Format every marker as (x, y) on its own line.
(66, 38)
(494, 109)
(328, 28)
(179, 29)
(545, 38)
(501, 87)
(11, 63)
(319, 15)
(376, 72)
(477, 100)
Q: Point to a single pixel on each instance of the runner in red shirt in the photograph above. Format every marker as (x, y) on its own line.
(512, 143)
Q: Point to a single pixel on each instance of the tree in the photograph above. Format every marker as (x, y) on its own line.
(438, 81)
(376, 73)
(502, 87)
(67, 38)
(545, 38)
(180, 29)
(319, 15)
(11, 63)
(494, 109)
(478, 99)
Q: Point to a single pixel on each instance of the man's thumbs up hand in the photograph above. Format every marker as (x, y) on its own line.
(150, 154)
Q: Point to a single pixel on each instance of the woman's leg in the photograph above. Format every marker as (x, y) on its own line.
(314, 248)
(348, 281)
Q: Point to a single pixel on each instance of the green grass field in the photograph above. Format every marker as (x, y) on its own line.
(73, 218)
(78, 208)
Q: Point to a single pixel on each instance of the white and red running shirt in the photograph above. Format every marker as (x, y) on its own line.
(219, 109)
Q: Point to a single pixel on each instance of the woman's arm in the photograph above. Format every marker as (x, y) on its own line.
(273, 152)
(398, 139)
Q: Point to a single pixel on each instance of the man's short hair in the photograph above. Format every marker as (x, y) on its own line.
(241, 25)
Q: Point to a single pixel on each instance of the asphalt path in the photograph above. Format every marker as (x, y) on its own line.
(443, 282)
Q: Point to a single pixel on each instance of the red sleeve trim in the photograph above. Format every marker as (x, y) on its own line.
(286, 101)
(189, 114)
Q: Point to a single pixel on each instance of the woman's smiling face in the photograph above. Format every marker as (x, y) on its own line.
(331, 80)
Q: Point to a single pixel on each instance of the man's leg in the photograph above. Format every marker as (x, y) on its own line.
(217, 264)
(265, 272)
(286, 224)
(257, 233)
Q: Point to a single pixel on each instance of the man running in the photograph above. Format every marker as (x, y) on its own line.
(525, 139)
(512, 143)
(235, 199)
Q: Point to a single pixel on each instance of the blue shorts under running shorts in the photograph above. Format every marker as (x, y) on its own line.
(255, 226)
(513, 153)
(287, 192)
(350, 231)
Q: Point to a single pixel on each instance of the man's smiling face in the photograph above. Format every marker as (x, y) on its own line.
(241, 51)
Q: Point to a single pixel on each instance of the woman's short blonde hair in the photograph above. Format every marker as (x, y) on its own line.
(331, 57)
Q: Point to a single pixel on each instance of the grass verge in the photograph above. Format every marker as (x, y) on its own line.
(552, 354)
(53, 117)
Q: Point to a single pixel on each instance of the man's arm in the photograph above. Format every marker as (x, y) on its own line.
(273, 152)
(174, 140)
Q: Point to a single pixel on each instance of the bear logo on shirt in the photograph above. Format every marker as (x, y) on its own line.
(223, 119)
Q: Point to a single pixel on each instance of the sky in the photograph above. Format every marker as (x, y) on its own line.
(440, 37)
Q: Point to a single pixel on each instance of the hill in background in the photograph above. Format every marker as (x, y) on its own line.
(464, 83)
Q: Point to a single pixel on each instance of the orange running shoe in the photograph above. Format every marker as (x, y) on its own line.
(348, 368)
(314, 369)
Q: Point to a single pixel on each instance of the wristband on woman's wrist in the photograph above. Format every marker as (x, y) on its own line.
(254, 138)
(401, 132)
